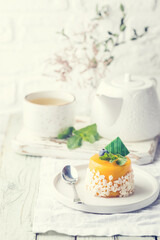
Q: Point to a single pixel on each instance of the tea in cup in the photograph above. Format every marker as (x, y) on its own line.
(46, 114)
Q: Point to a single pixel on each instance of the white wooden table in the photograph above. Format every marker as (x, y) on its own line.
(19, 179)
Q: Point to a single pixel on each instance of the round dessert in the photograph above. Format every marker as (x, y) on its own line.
(108, 178)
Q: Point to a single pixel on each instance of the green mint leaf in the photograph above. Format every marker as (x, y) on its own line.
(121, 160)
(111, 158)
(122, 7)
(75, 137)
(90, 138)
(74, 142)
(88, 134)
(65, 133)
(96, 135)
(108, 157)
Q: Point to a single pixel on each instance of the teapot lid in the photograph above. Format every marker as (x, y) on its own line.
(115, 88)
(132, 82)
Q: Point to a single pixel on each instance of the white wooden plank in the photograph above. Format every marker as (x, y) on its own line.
(51, 235)
(95, 238)
(19, 177)
(133, 238)
(28, 143)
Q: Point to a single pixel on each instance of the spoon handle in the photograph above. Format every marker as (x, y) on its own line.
(76, 197)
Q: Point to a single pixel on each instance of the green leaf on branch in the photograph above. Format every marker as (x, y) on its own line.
(106, 50)
(109, 33)
(122, 25)
(97, 11)
(146, 29)
(113, 34)
(122, 7)
(122, 28)
(134, 38)
(63, 33)
(109, 40)
(135, 32)
(108, 61)
(122, 21)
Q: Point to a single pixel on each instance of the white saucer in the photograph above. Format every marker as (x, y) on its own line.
(146, 192)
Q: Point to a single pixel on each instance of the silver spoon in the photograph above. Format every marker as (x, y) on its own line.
(70, 175)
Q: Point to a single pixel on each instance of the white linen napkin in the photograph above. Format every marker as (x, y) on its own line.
(49, 214)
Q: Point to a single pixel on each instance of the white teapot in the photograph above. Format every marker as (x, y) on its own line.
(129, 109)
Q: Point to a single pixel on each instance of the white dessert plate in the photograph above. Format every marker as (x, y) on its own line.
(146, 192)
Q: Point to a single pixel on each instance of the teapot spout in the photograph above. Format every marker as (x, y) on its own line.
(109, 91)
(107, 109)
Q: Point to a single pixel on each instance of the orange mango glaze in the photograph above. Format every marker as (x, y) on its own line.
(106, 168)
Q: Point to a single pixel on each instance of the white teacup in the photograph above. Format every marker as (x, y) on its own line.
(46, 114)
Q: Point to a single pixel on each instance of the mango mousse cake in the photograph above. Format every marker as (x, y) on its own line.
(110, 172)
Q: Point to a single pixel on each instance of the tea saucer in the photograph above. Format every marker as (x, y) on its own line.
(146, 192)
